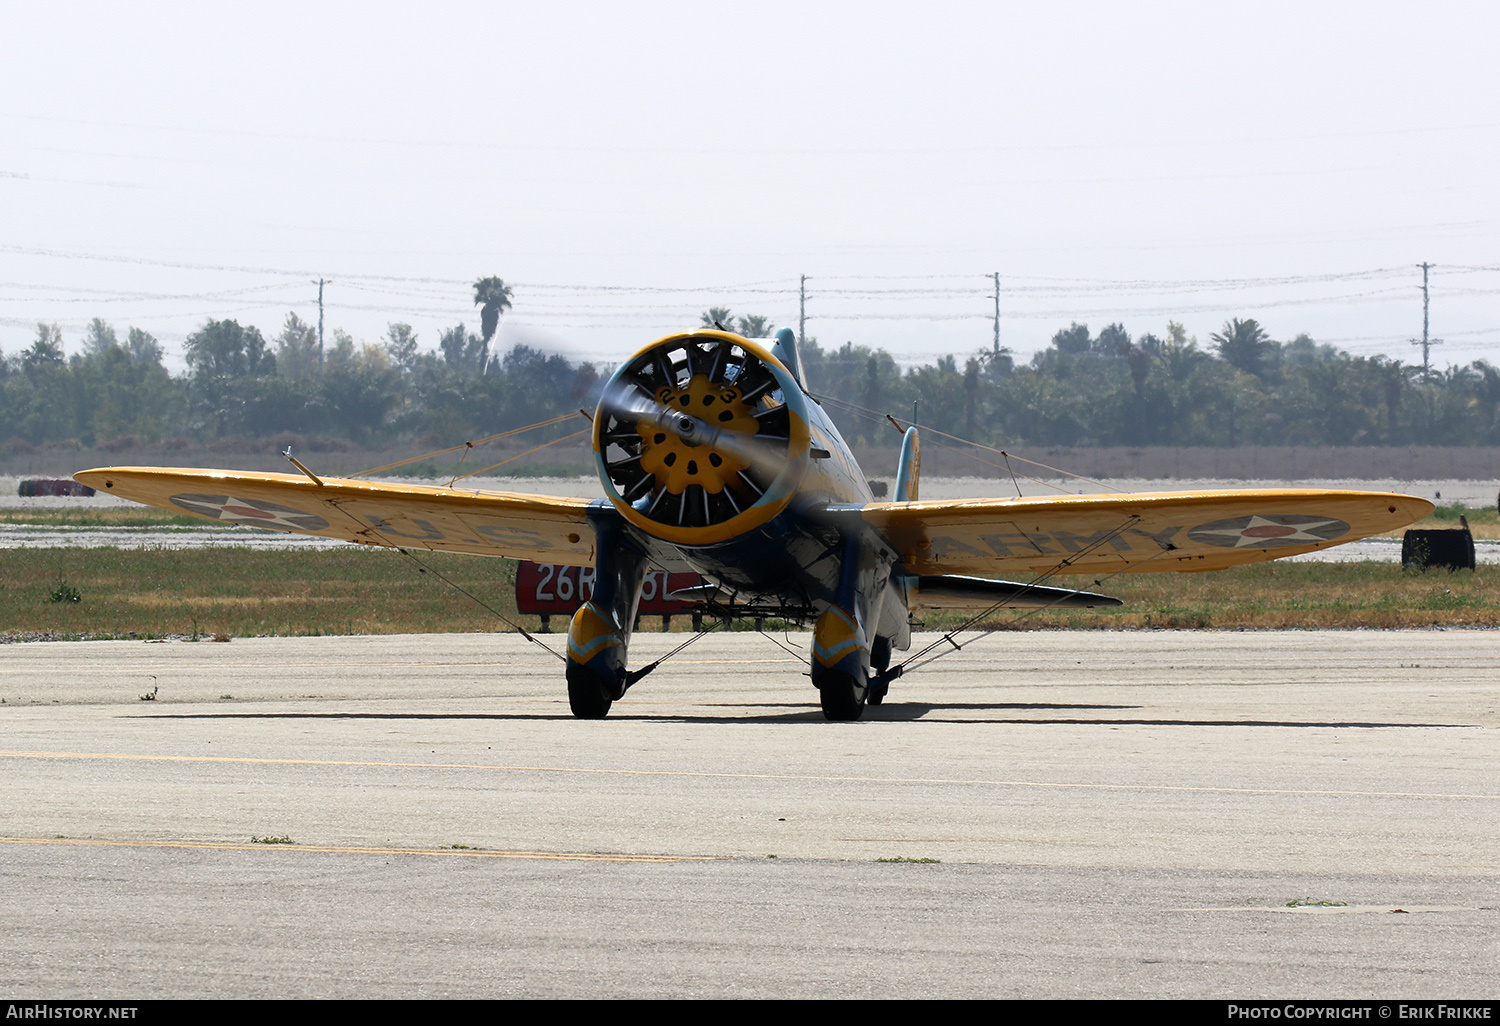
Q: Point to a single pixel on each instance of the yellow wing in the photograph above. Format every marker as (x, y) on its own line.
(1148, 532)
(539, 527)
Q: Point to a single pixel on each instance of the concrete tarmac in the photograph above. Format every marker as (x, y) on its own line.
(1112, 815)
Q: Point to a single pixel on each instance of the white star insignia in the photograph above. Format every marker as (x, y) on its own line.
(1262, 532)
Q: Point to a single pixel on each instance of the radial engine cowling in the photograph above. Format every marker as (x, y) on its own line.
(701, 436)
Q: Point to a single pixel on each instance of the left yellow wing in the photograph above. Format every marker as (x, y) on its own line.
(538, 527)
(1134, 532)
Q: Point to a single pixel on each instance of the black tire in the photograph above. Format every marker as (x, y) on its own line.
(842, 697)
(588, 696)
(880, 660)
(1452, 549)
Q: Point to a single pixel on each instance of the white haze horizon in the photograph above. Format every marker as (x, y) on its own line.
(625, 168)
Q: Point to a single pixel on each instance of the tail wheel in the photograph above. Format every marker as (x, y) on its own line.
(671, 481)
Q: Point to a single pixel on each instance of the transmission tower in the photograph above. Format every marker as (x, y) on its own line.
(1425, 342)
(802, 312)
(321, 283)
(996, 276)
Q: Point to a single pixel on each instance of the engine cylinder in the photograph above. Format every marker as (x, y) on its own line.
(701, 436)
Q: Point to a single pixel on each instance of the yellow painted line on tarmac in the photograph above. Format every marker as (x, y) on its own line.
(345, 849)
(721, 775)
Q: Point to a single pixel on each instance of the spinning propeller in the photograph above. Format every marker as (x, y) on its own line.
(695, 429)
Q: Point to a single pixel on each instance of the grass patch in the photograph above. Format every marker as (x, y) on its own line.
(224, 593)
(65, 593)
(239, 593)
(903, 858)
(1310, 903)
(283, 839)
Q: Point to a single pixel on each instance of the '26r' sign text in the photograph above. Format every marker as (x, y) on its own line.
(548, 588)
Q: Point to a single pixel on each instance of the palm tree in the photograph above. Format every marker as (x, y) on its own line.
(718, 317)
(493, 296)
(755, 326)
(1243, 345)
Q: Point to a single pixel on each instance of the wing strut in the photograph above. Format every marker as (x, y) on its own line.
(294, 461)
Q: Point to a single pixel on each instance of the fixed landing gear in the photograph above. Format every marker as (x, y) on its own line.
(842, 696)
(588, 694)
(880, 661)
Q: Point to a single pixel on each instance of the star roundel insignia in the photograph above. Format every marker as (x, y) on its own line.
(255, 512)
(1268, 531)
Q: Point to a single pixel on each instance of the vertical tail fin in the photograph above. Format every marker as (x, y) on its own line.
(785, 350)
(910, 467)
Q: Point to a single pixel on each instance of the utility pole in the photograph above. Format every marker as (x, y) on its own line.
(1425, 342)
(802, 314)
(996, 276)
(321, 283)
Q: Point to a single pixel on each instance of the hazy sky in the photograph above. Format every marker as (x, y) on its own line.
(625, 166)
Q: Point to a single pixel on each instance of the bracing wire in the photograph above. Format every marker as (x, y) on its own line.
(634, 675)
(528, 452)
(1041, 578)
(918, 661)
(1008, 456)
(465, 446)
(423, 568)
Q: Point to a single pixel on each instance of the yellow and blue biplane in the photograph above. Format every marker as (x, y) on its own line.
(715, 459)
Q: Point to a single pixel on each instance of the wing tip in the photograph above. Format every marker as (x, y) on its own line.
(95, 478)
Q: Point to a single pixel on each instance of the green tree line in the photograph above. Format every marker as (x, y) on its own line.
(1110, 388)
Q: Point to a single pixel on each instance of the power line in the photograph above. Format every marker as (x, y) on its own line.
(931, 298)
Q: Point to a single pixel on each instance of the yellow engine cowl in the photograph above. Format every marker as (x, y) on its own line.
(702, 436)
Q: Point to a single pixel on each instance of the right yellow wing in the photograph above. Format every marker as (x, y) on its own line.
(543, 528)
(1145, 532)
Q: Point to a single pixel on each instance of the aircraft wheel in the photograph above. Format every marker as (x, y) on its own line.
(588, 696)
(842, 696)
(880, 659)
